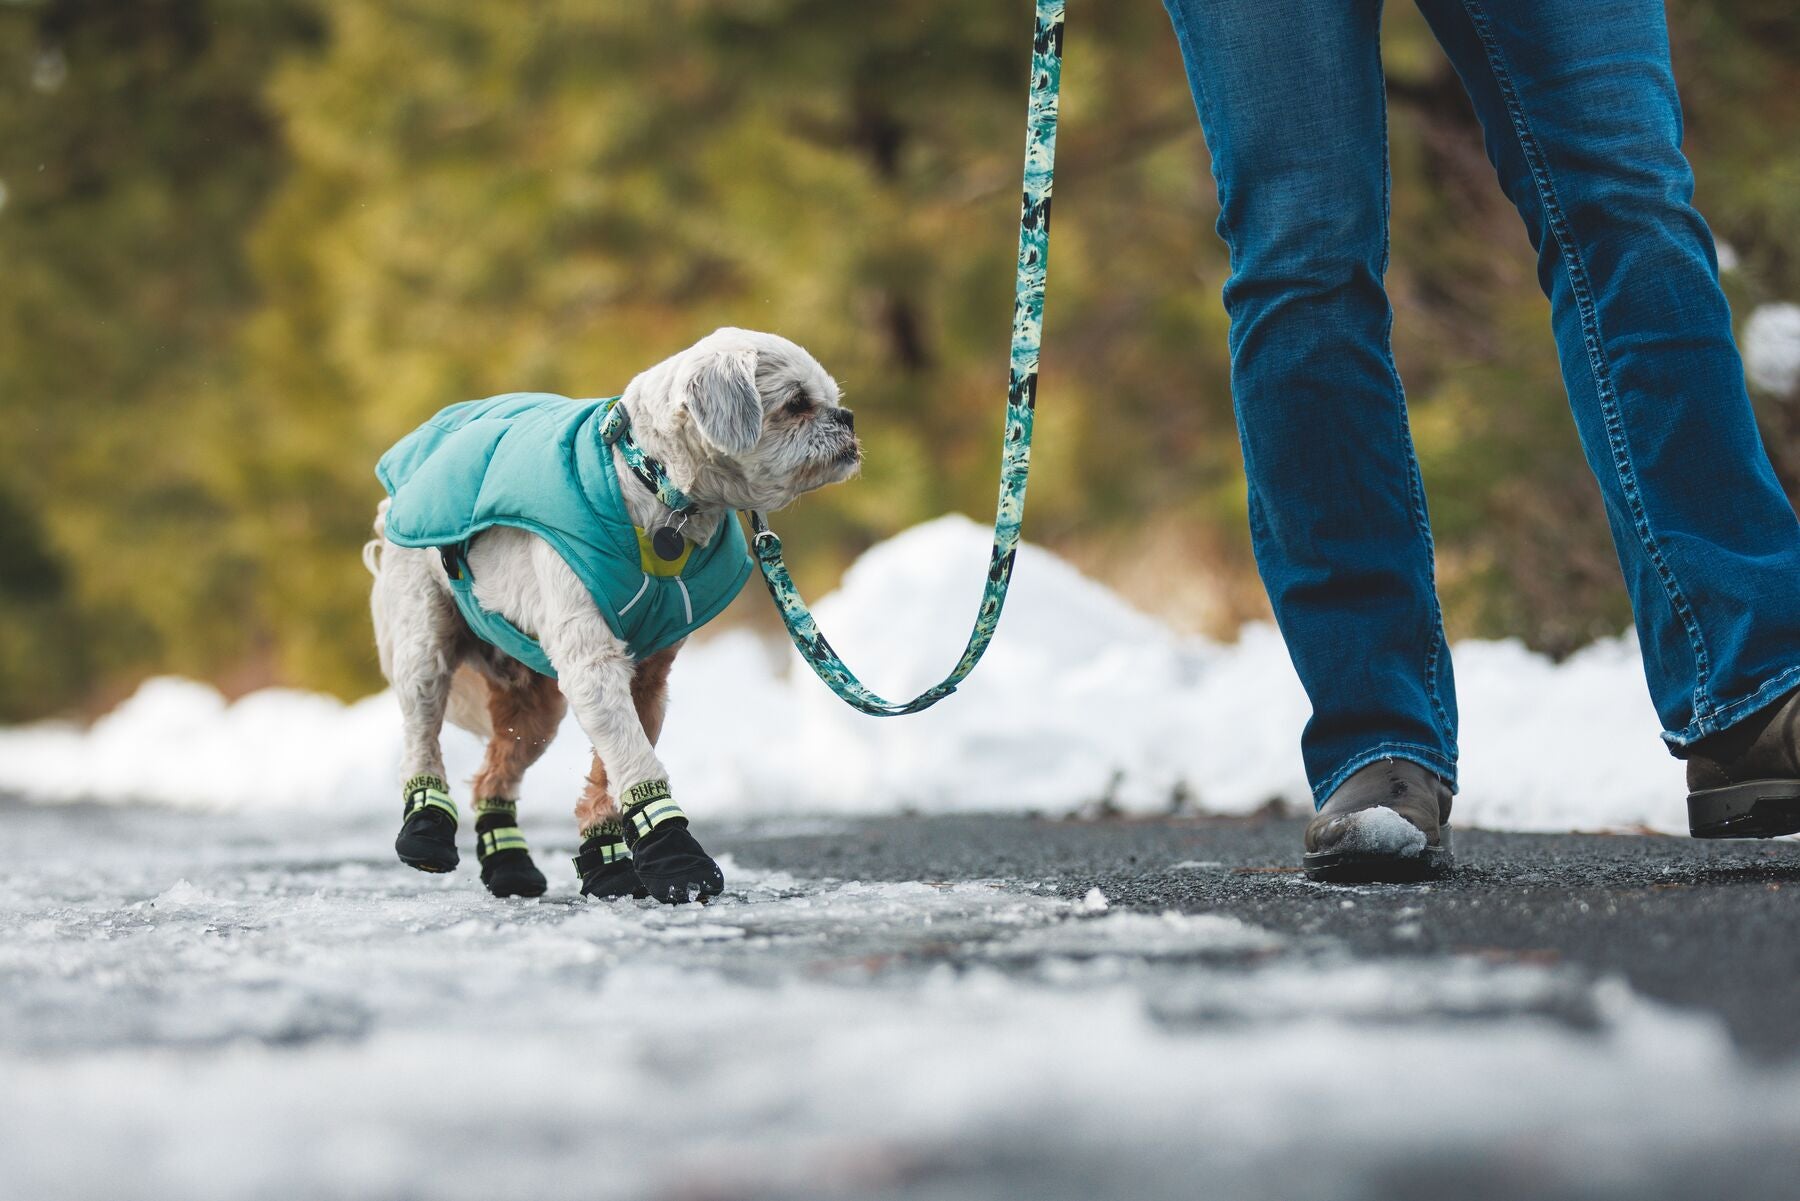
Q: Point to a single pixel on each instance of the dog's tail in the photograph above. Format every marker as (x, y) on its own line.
(371, 552)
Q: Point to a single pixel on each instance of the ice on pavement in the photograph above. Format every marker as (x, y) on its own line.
(1379, 831)
(260, 1004)
(1153, 937)
(1081, 701)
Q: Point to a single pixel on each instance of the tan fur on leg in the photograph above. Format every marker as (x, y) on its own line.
(650, 690)
(649, 695)
(524, 711)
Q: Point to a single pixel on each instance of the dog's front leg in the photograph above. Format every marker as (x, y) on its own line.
(646, 826)
(646, 822)
(599, 691)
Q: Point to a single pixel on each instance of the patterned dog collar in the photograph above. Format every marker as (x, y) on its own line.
(615, 430)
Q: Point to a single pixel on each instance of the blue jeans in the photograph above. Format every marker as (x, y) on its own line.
(1583, 127)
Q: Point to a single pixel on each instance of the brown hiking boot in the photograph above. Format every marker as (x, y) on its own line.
(1744, 781)
(1388, 822)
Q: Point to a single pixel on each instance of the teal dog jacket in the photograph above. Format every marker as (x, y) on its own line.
(537, 461)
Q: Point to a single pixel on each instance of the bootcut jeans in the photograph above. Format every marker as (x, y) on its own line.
(1583, 126)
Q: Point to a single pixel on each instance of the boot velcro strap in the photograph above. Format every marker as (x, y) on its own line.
(428, 792)
(500, 838)
(602, 850)
(648, 805)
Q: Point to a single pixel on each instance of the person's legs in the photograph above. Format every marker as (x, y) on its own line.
(1584, 127)
(1291, 96)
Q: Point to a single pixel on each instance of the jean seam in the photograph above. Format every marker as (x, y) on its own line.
(1435, 646)
(1207, 125)
(1211, 132)
(1575, 266)
(1432, 758)
(1724, 716)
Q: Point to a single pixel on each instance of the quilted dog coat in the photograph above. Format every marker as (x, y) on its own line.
(536, 461)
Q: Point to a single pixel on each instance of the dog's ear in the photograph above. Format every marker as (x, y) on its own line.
(721, 394)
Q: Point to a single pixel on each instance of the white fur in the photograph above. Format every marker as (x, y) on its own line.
(718, 415)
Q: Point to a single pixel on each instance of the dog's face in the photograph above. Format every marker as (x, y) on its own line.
(753, 418)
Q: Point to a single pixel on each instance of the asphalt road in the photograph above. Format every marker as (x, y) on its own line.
(264, 1004)
(1709, 925)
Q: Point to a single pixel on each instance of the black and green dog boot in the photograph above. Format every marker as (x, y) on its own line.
(506, 866)
(1744, 782)
(669, 860)
(605, 867)
(427, 838)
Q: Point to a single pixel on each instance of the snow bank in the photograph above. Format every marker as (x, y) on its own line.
(180, 743)
(1081, 700)
(1772, 348)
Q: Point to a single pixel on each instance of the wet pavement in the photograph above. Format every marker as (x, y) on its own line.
(255, 1005)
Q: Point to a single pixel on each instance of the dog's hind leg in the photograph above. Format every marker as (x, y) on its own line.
(421, 638)
(524, 710)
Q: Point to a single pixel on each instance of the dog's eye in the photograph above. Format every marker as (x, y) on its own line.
(798, 405)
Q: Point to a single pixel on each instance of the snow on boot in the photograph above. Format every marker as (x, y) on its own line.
(1388, 822)
(427, 838)
(1744, 782)
(605, 867)
(669, 860)
(506, 866)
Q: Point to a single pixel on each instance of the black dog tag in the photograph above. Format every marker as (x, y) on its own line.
(668, 544)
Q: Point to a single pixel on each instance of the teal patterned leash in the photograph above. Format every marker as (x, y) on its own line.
(1021, 402)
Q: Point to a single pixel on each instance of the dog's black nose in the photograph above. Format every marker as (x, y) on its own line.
(845, 417)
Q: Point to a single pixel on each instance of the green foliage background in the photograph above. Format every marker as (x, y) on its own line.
(245, 245)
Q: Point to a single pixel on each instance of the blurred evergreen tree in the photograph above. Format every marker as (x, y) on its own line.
(248, 245)
(135, 153)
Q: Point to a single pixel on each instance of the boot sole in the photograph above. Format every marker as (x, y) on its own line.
(1759, 809)
(526, 889)
(426, 854)
(436, 863)
(1361, 867)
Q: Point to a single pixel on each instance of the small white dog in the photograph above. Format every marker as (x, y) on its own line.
(538, 552)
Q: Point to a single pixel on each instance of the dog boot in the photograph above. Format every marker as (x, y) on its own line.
(506, 866)
(669, 861)
(427, 838)
(1388, 822)
(1744, 782)
(604, 865)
